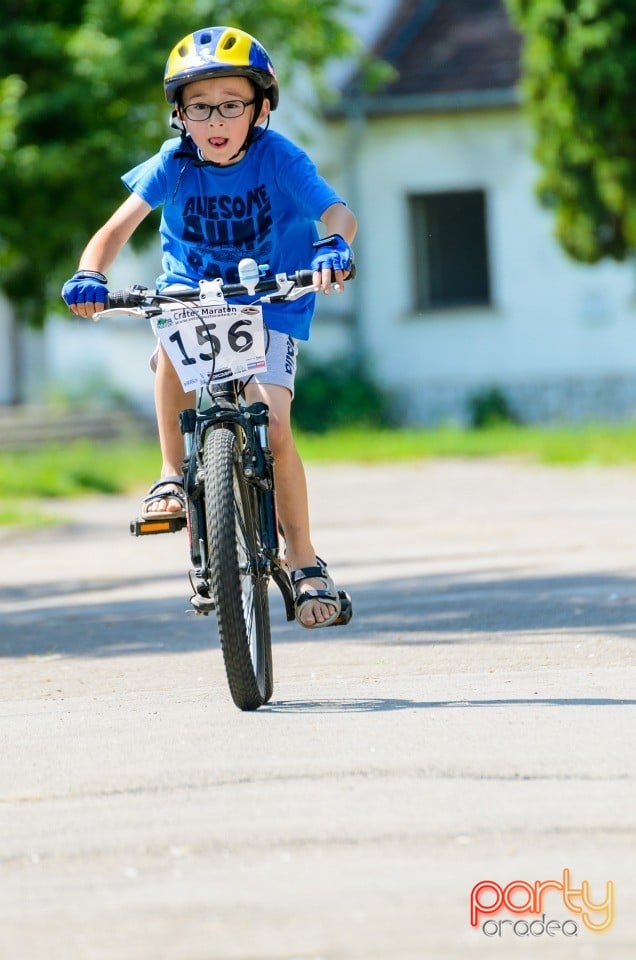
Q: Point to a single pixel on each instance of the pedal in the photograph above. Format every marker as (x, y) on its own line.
(346, 610)
(142, 527)
(201, 604)
(201, 600)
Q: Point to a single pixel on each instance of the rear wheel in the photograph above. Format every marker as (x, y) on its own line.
(238, 582)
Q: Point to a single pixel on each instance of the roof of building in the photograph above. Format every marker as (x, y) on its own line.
(447, 54)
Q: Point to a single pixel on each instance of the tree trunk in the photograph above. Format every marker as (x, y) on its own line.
(10, 356)
(15, 394)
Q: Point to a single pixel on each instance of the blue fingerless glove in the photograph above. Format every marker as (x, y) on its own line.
(333, 252)
(85, 285)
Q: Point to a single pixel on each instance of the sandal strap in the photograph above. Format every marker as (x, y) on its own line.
(176, 481)
(155, 494)
(305, 573)
(326, 596)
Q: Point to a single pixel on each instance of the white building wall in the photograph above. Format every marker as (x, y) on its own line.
(551, 319)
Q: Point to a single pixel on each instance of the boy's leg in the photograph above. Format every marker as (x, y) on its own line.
(170, 400)
(291, 491)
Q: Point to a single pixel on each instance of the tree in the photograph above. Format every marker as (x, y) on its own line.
(82, 101)
(579, 66)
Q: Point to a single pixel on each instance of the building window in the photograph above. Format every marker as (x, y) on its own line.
(450, 247)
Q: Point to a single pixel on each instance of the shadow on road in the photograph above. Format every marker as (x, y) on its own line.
(76, 586)
(380, 705)
(450, 609)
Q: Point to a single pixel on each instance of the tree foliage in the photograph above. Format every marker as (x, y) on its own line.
(579, 65)
(81, 101)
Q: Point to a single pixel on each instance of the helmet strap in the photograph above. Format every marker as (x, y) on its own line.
(175, 122)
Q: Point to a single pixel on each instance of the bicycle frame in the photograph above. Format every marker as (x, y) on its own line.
(249, 424)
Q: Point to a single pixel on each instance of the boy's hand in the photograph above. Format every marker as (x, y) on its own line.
(334, 254)
(85, 293)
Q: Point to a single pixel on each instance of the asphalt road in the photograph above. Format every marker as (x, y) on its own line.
(474, 722)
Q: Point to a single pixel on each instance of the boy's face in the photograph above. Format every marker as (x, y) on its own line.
(218, 138)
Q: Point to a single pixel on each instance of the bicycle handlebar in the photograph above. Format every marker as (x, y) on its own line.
(137, 296)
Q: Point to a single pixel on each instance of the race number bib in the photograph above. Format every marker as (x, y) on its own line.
(212, 343)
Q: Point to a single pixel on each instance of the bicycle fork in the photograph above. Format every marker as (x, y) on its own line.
(250, 423)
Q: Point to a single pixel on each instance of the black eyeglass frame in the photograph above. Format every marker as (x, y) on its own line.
(211, 107)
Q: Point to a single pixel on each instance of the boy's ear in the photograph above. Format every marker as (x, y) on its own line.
(175, 120)
(264, 113)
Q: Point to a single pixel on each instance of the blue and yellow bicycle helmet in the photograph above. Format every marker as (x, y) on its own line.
(218, 52)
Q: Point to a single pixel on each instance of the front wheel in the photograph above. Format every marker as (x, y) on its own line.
(237, 578)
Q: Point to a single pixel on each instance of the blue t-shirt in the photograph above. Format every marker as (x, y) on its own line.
(265, 207)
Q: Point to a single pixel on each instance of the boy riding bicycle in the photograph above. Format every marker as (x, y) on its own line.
(231, 188)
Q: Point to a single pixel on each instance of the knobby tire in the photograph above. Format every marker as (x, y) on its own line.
(238, 586)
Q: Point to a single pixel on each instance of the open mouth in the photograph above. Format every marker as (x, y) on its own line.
(217, 142)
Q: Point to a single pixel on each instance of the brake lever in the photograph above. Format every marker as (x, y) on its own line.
(296, 294)
(141, 313)
(288, 291)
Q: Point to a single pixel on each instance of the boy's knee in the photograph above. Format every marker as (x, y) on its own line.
(280, 435)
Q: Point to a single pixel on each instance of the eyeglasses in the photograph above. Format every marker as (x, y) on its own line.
(229, 109)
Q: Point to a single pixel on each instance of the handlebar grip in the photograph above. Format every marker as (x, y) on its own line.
(118, 298)
(304, 278)
(130, 297)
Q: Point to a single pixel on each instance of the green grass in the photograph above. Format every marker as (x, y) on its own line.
(84, 468)
(592, 444)
(79, 468)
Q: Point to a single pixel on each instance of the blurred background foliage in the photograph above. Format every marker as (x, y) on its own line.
(81, 102)
(340, 394)
(579, 65)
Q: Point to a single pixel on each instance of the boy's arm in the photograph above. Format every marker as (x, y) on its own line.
(339, 219)
(103, 247)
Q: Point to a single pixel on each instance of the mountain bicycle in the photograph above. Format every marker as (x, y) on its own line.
(235, 540)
